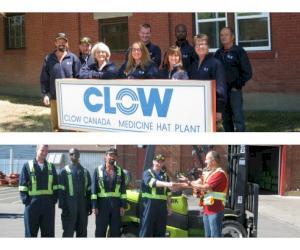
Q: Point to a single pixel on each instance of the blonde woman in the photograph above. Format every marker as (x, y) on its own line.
(173, 68)
(139, 64)
(102, 68)
(209, 68)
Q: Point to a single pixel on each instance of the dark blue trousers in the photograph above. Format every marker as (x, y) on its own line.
(233, 115)
(40, 214)
(75, 217)
(153, 218)
(108, 215)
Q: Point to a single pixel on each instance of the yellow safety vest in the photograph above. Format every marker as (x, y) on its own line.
(153, 194)
(210, 197)
(34, 191)
(102, 193)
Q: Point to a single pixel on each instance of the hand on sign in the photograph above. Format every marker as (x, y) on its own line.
(46, 100)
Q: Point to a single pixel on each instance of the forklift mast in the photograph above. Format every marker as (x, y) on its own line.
(238, 179)
(242, 195)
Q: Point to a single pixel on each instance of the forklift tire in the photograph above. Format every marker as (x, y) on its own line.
(130, 230)
(233, 229)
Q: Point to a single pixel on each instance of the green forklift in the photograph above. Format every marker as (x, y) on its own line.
(241, 211)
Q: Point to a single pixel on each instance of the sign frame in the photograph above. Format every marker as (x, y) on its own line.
(209, 88)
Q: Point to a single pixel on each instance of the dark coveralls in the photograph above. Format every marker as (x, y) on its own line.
(211, 69)
(238, 72)
(154, 52)
(154, 205)
(75, 200)
(86, 61)
(149, 72)
(52, 69)
(108, 196)
(188, 53)
(109, 71)
(38, 189)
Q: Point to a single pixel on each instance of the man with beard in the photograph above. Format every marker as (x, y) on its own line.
(61, 63)
(85, 47)
(188, 53)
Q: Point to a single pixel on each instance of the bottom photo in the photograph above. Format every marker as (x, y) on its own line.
(149, 191)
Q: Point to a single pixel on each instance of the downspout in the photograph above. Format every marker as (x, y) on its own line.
(283, 153)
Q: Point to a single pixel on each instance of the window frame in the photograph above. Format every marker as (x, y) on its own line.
(210, 20)
(257, 48)
(7, 32)
(113, 20)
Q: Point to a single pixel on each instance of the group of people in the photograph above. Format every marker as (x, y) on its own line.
(78, 195)
(229, 66)
(156, 196)
(104, 195)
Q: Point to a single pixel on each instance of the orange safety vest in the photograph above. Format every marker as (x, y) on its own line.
(208, 198)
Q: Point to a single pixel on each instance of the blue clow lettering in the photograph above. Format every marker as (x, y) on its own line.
(135, 100)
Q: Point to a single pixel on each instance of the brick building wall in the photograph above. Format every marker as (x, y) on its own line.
(293, 168)
(274, 71)
(179, 159)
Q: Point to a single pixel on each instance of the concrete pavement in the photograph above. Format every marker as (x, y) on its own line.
(278, 216)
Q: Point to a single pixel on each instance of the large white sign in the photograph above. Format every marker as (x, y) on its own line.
(182, 106)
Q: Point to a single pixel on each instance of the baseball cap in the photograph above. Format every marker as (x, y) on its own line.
(112, 151)
(61, 35)
(86, 40)
(159, 157)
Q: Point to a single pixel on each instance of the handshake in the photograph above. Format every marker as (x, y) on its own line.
(177, 186)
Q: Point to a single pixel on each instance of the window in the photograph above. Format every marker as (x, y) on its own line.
(114, 32)
(15, 31)
(253, 30)
(211, 24)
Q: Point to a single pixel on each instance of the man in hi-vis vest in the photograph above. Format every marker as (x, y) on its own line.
(109, 195)
(214, 184)
(75, 196)
(38, 188)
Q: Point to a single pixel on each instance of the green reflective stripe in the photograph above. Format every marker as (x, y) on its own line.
(61, 187)
(153, 194)
(123, 196)
(23, 188)
(55, 187)
(70, 180)
(93, 197)
(41, 192)
(102, 193)
(85, 180)
(34, 190)
(33, 177)
(216, 195)
(155, 197)
(151, 182)
(50, 177)
(109, 194)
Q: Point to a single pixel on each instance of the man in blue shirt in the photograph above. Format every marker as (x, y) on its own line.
(156, 200)
(238, 71)
(38, 190)
(75, 196)
(109, 196)
(154, 50)
(61, 63)
(188, 53)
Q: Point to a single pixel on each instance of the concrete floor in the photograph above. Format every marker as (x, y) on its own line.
(278, 216)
